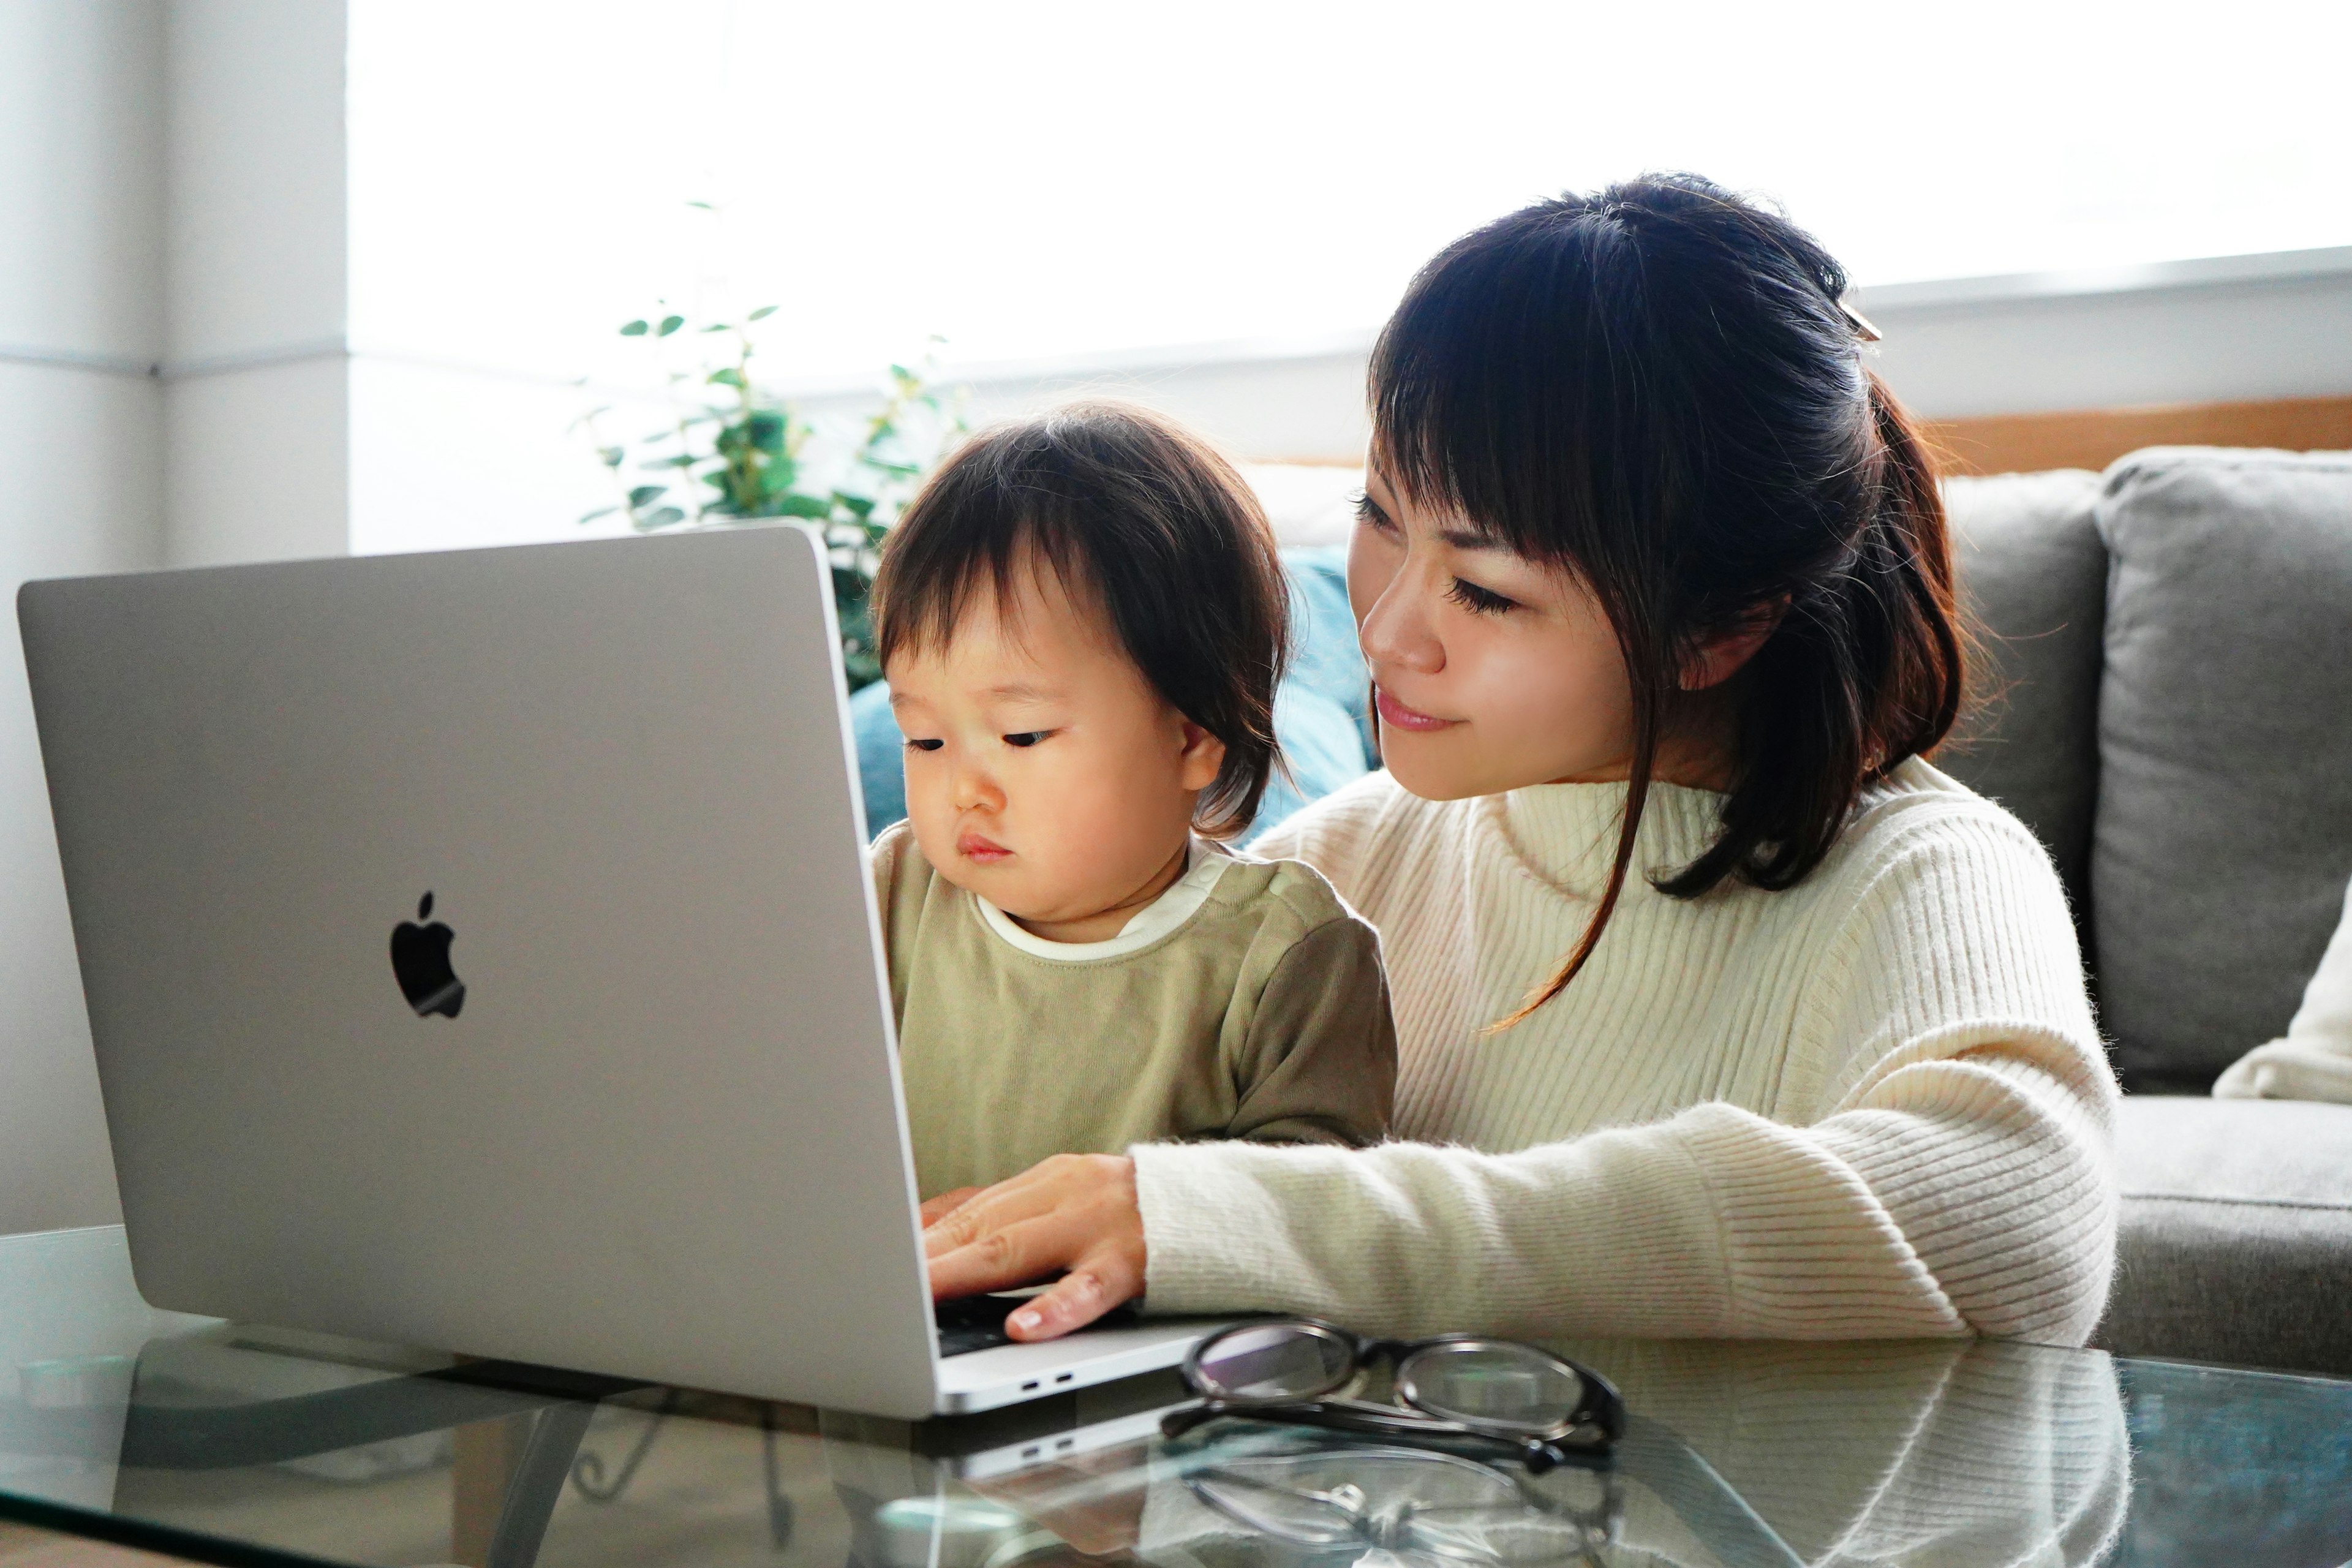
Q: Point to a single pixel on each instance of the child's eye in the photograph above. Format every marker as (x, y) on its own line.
(915, 745)
(1027, 737)
(1479, 601)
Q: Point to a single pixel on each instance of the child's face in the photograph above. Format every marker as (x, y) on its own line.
(1043, 773)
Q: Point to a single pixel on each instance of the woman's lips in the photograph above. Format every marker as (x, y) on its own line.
(987, 851)
(1404, 718)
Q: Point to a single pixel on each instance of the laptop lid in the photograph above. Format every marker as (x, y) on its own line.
(629, 1103)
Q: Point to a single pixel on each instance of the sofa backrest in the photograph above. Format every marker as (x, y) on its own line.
(2167, 703)
(2033, 577)
(2223, 835)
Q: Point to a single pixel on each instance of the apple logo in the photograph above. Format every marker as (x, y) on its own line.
(420, 961)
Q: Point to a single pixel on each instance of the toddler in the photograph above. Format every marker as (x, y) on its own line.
(1081, 619)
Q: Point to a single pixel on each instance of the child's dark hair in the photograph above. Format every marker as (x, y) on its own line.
(1659, 387)
(1136, 514)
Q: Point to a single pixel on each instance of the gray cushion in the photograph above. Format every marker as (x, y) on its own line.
(2237, 1233)
(2224, 827)
(2033, 575)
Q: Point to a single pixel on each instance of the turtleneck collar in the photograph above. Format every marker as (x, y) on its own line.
(1565, 835)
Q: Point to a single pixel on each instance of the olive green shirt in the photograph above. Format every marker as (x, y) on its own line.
(1263, 1013)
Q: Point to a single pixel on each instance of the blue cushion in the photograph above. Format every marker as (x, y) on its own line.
(1322, 716)
(1324, 656)
(881, 757)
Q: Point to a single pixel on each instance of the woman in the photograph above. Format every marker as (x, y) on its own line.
(1721, 1013)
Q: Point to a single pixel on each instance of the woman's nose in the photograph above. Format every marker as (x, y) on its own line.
(1397, 631)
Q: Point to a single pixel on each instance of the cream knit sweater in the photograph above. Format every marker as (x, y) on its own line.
(1874, 1104)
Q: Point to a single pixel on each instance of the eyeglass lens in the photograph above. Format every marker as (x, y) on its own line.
(1275, 1361)
(1492, 1384)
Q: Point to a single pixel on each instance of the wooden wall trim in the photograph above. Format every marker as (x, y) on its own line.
(2089, 437)
(2093, 438)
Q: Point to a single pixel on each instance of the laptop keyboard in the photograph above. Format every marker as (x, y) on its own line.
(969, 1324)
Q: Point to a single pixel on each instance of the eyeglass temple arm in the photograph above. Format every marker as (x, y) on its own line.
(1359, 1416)
(1185, 1417)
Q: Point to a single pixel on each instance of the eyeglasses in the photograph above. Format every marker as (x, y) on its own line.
(1407, 1502)
(1458, 1390)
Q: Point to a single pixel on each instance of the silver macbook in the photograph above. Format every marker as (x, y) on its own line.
(480, 954)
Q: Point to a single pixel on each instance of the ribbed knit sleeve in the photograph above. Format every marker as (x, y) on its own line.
(1870, 1105)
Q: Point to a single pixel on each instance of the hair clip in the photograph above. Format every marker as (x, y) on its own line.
(1860, 322)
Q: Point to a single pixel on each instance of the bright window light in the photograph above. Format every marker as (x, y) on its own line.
(1039, 180)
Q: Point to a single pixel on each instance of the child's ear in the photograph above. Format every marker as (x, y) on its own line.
(1203, 758)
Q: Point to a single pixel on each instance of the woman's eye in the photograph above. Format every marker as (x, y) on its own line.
(915, 745)
(1027, 737)
(1479, 601)
(1368, 513)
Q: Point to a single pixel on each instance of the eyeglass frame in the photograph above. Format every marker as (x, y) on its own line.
(1367, 1524)
(1539, 1448)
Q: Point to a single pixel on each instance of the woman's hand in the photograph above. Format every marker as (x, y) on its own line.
(1073, 1214)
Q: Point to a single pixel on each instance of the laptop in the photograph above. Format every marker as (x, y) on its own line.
(480, 953)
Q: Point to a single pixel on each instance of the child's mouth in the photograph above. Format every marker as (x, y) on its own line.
(986, 851)
(1395, 712)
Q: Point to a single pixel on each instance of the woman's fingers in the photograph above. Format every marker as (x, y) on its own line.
(1098, 1283)
(1075, 1215)
(938, 1208)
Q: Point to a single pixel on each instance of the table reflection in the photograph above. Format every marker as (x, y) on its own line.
(1960, 1452)
(1928, 1453)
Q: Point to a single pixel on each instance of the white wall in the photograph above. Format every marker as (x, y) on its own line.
(81, 491)
(256, 276)
(2226, 330)
(447, 454)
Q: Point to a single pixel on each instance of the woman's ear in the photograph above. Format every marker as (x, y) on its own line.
(1201, 758)
(1720, 654)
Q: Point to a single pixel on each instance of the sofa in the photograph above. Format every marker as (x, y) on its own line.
(2166, 698)
(2164, 695)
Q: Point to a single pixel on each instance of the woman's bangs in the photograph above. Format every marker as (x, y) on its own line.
(1483, 413)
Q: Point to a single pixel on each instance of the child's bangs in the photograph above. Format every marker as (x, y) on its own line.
(949, 573)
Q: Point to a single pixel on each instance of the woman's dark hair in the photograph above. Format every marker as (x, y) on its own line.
(1659, 388)
(1139, 516)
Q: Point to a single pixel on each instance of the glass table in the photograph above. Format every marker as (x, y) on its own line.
(237, 1445)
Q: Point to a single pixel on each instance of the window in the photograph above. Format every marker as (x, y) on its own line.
(1039, 180)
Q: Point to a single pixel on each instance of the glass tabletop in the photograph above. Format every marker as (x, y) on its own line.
(236, 1445)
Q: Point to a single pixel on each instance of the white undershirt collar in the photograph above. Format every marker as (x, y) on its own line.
(1205, 863)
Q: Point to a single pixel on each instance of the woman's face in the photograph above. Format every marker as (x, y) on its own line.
(1492, 672)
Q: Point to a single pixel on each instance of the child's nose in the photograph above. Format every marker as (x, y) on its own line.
(975, 790)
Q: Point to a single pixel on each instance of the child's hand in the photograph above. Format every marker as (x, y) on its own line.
(1075, 1215)
(938, 1208)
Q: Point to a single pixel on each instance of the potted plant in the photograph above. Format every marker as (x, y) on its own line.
(735, 452)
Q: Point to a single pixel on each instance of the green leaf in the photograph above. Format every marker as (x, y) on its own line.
(668, 325)
(600, 512)
(706, 207)
(633, 329)
(727, 376)
(804, 505)
(612, 455)
(645, 495)
(665, 516)
(762, 314)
